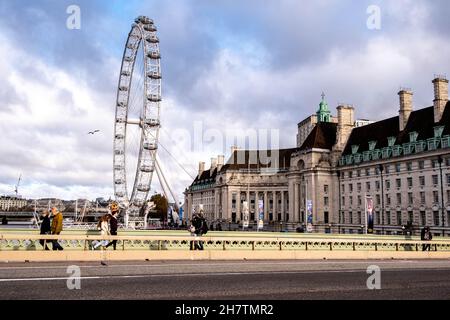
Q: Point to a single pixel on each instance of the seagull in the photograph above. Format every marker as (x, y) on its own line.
(93, 132)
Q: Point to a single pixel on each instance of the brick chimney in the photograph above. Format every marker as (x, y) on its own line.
(213, 164)
(440, 97)
(346, 123)
(406, 107)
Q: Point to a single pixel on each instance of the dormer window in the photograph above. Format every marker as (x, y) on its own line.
(413, 136)
(372, 145)
(391, 141)
(438, 131)
(355, 149)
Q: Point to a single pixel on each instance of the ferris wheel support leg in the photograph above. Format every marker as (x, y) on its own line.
(158, 168)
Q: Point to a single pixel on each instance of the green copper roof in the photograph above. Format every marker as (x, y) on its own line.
(323, 114)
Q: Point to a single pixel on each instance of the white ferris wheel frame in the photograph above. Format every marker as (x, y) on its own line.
(142, 35)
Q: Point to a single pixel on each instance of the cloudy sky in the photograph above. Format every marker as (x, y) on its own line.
(228, 66)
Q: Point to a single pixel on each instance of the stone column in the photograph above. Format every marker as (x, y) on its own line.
(238, 204)
(283, 211)
(296, 203)
(291, 197)
(274, 207)
(266, 206)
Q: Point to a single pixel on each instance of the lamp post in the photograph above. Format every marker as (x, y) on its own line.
(339, 201)
(381, 168)
(440, 160)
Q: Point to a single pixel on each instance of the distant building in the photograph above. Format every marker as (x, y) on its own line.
(403, 163)
(12, 203)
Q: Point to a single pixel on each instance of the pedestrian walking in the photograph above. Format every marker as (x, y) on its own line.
(45, 228)
(426, 235)
(103, 226)
(113, 224)
(57, 227)
(201, 228)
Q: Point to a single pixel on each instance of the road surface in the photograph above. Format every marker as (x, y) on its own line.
(262, 280)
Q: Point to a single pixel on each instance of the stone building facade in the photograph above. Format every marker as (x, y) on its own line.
(403, 163)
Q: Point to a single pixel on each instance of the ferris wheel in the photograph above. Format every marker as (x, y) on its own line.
(137, 119)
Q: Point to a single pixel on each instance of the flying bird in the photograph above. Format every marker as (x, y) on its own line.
(93, 132)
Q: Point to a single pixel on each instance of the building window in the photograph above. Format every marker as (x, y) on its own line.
(435, 163)
(388, 217)
(410, 198)
(422, 198)
(399, 199)
(399, 218)
(358, 186)
(377, 185)
(409, 166)
(388, 199)
(388, 169)
(421, 165)
(448, 179)
(326, 217)
(343, 201)
(359, 201)
(351, 200)
(368, 172)
(325, 188)
(422, 181)
(378, 199)
(350, 215)
(435, 180)
(435, 197)
(358, 173)
(410, 182)
(436, 218)
(423, 218)
(398, 183)
(448, 162)
(350, 187)
(325, 201)
(398, 167)
(388, 184)
(448, 196)
(350, 174)
(343, 188)
(411, 217)
(368, 186)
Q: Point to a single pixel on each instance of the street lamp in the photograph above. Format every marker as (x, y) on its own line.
(440, 160)
(381, 168)
(339, 200)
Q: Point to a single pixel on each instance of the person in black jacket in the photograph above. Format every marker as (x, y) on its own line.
(45, 228)
(201, 228)
(426, 235)
(113, 224)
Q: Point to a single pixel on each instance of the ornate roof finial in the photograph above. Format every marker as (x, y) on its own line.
(323, 96)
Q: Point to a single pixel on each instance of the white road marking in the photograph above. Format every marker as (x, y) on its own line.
(191, 275)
